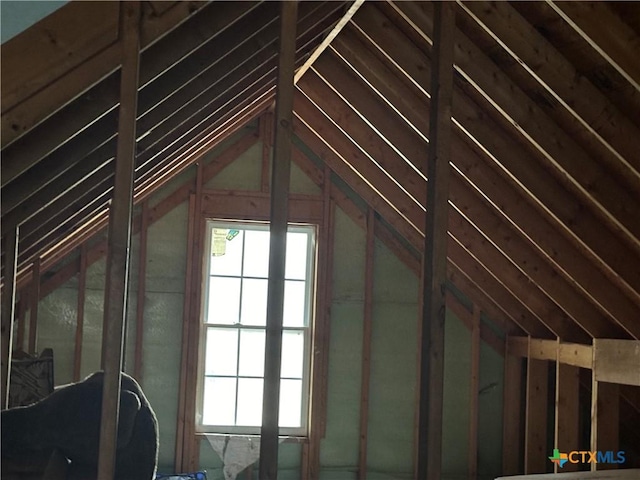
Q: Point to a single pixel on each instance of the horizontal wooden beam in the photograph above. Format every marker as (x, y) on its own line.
(616, 361)
(567, 353)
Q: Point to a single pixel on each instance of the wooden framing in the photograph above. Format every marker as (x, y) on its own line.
(605, 413)
(93, 60)
(33, 315)
(188, 325)
(119, 240)
(266, 135)
(8, 311)
(367, 333)
(551, 241)
(559, 77)
(587, 21)
(535, 449)
(566, 411)
(492, 136)
(616, 361)
(474, 387)
(543, 231)
(434, 262)
(566, 353)
(511, 412)
(311, 450)
(280, 178)
(82, 289)
(140, 301)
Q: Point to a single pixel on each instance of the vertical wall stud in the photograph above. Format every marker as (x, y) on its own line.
(142, 286)
(605, 420)
(366, 344)
(119, 238)
(82, 289)
(566, 417)
(8, 309)
(435, 250)
(474, 387)
(535, 460)
(35, 301)
(278, 234)
(511, 452)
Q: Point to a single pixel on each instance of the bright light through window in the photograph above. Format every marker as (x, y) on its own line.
(235, 316)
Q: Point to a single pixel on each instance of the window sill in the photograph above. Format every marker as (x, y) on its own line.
(282, 438)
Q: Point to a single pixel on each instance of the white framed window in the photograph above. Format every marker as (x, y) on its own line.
(234, 314)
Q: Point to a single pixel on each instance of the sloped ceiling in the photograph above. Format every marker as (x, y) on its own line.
(544, 210)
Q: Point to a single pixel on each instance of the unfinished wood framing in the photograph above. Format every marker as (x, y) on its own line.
(190, 443)
(8, 310)
(280, 178)
(616, 361)
(474, 387)
(512, 412)
(535, 447)
(367, 333)
(119, 239)
(574, 354)
(566, 412)
(541, 245)
(140, 301)
(188, 339)
(82, 290)
(322, 328)
(266, 135)
(605, 420)
(435, 249)
(21, 319)
(33, 315)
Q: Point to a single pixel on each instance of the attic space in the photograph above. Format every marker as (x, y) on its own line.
(437, 213)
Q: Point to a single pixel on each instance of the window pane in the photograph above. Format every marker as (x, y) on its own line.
(254, 302)
(219, 401)
(294, 300)
(290, 403)
(252, 353)
(224, 300)
(296, 260)
(256, 253)
(229, 262)
(292, 354)
(250, 401)
(222, 351)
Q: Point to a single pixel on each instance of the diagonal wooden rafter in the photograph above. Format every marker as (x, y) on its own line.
(414, 184)
(241, 92)
(598, 324)
(617, 43)
(561, 155)
(508, 158)
(334, 148)
(573, 92)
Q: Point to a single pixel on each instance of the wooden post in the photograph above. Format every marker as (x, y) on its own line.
(8, 309)
(473, 394)
(82, 288)
(33, 316)
(142, 277)
(605, 419)
(322, 329)
(366, 344)
(566, 418)
(434, 266)
(278, 236)
(119, 238)
(511, 452)
(535, 455)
